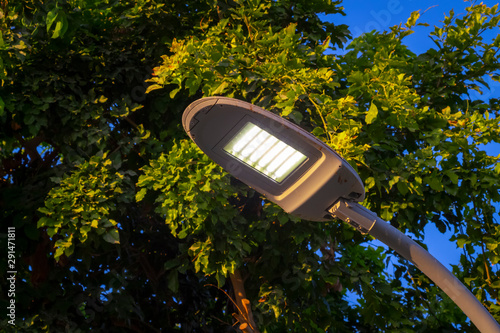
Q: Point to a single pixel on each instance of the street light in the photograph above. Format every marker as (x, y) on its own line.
(308, 179)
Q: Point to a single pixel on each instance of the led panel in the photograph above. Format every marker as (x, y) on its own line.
(264, 152)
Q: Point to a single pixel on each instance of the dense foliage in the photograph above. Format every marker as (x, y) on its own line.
(123, 224)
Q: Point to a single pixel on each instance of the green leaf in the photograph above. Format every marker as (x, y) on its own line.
(61, 25)
(112, 236)
(172, 93)
(193, 83)
(491, 246)
(173, 281)
(183, 233)
(220, 89)
(141, 194)
(434, 182)
(402, 187)
(452, 175)
(172, 263)
(45, 222)
(152, 87)
(372, 114)
(413, 19)
(51, 231)
(369, 183)
(59, 252)
(318, 131)
(58, 17)
(51, 17)
(221, 279)
(290, 29)
(386, 214)
(2, 104)
(462, 241)
(468, 280)
(69, 250)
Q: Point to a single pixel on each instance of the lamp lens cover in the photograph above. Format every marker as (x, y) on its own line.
(264, 152)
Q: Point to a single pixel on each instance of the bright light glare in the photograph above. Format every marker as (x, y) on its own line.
(264, 152)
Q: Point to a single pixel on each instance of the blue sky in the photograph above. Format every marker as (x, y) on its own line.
(364, 16)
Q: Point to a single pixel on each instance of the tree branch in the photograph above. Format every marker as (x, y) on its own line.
(245, 317)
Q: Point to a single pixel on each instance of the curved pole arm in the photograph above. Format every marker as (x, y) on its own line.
(368, 222)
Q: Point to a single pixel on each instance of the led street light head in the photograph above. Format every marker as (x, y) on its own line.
(272, 155)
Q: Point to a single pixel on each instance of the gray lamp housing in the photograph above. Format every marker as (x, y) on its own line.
(308, 191)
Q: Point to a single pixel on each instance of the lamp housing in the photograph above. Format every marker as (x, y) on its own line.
(272, 155)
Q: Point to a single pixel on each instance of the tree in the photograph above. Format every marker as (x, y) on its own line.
(121, 223)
